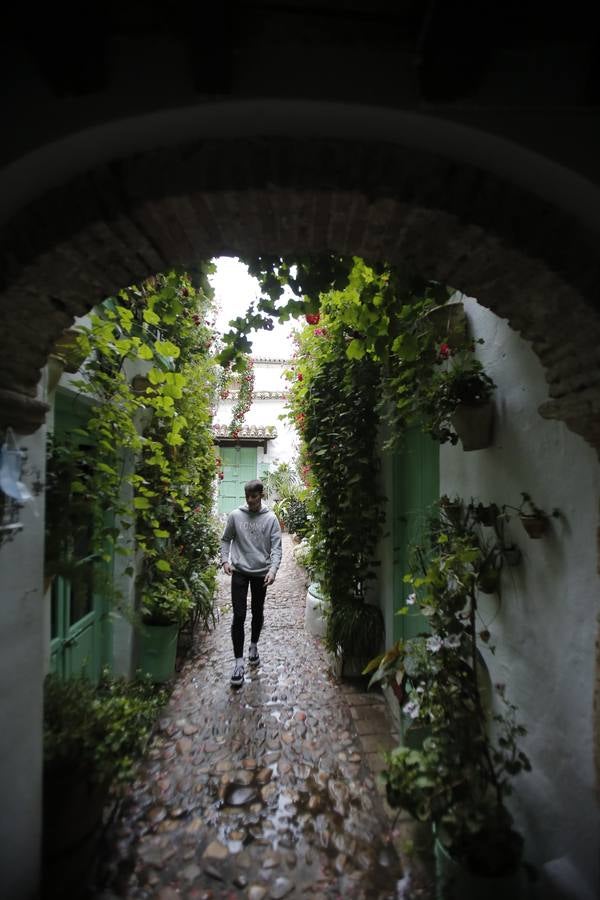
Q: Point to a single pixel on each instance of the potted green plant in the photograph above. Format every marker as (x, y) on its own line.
(165, 606)
(93, 735)
(534, 520)
(354, 633)
(462, 398)
(458, 779)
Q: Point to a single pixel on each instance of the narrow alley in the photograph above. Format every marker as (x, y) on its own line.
(265, 792)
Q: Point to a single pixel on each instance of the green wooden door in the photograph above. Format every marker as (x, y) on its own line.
(79, 622)
(239, 466)
(416, 486)
(78, 625)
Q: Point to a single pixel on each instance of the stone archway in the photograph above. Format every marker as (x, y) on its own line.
(520, 256)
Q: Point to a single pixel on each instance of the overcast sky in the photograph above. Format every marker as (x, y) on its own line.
(235, 289)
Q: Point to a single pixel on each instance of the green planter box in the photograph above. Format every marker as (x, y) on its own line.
(158, 651)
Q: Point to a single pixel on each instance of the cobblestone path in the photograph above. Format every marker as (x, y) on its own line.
(263, 792)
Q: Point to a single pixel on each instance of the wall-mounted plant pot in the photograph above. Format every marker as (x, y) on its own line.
(474, 425)
(448, 323)
(535, 526)
(512, 555)
(67, 349)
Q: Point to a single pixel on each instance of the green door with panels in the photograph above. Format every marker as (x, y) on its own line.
(416, 485)
(79, 621)
(239, 466)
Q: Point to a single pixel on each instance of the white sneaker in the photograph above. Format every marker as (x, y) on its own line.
(237, 679)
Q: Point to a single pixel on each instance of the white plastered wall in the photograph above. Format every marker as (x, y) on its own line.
(545, 626)
(268, 376)
(21, 680)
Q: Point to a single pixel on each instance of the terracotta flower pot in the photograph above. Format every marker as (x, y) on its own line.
(535, 526)
(473, 425)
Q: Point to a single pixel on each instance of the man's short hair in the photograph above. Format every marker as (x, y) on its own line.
(254, 487)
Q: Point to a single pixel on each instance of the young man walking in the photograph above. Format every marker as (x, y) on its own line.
(251, 554)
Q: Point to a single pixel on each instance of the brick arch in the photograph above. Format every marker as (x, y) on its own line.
(116, 224)
(519, 255)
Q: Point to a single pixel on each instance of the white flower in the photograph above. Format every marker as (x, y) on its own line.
(411, 709)
(434, 643)
(452, 641)
(412, 598)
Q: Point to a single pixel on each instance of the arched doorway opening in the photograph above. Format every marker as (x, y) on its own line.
(524, 259)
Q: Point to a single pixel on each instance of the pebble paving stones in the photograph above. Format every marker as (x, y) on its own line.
(261, 792)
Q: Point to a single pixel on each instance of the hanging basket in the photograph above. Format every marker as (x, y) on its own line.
(474, 425)
(535, 526)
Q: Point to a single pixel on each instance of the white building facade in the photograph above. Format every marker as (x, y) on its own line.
(266, 438)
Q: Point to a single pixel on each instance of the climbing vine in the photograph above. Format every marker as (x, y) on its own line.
(144, 464)
(242, 377)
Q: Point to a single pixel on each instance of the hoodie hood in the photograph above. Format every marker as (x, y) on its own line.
(259, 512)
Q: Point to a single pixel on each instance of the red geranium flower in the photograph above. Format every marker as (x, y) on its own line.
(300, 376)
(445, 351)
(312, 318)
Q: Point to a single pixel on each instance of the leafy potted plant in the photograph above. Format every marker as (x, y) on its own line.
(462, 397)
(354, 633)
(165, 606)
(93, 735)
(534, 520)
(460, 776)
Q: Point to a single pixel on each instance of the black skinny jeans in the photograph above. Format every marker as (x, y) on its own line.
(239, 600)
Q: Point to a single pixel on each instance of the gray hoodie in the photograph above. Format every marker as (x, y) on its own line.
(254, 540)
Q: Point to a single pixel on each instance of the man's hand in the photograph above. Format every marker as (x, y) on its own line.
(227, 568)
(269, 578)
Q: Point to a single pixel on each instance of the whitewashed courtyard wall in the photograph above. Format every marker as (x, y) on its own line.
(544, 627)
(266, 410)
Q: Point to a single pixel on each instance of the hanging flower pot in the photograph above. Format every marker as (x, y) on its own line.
(535, 525)
(473, 425)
